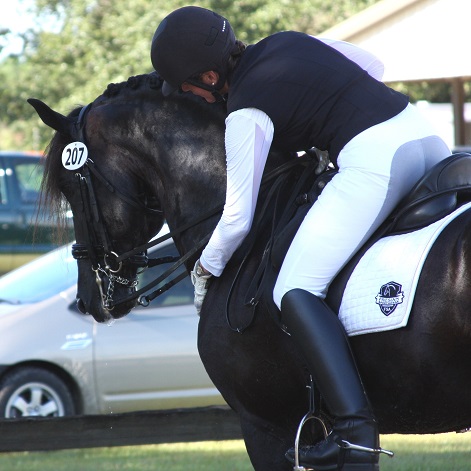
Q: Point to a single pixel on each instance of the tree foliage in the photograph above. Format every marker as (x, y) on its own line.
(95, 42)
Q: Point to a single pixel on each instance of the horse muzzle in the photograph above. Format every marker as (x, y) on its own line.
(108, 298)
(102, 314)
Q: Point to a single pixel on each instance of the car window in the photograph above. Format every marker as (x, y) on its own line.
(28, 175)
(181, 293)
(40, 279)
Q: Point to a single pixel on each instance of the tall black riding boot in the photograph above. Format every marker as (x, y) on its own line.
(322, 339)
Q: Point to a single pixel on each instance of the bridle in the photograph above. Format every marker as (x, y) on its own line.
(105, 262)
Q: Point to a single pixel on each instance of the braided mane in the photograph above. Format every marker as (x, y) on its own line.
(152, 80)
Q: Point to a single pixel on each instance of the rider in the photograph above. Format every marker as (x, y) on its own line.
(299, 92)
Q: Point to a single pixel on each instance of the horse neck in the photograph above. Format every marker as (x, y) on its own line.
(192, 192)
(203, 191)
(187, 151)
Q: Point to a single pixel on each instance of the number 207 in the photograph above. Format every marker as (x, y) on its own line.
(74, 156)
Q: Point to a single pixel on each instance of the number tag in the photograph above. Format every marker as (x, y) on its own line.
(74, 155)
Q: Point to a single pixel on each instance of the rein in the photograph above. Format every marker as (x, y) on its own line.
(145, 300)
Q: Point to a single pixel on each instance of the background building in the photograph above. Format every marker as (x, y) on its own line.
(420, 40)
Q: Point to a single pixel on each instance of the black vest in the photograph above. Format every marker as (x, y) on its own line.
(314, 95)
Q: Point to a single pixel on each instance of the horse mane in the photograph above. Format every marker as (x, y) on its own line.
(152, 81)
(51, 195)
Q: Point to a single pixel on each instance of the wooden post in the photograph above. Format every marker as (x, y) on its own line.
(457, 99)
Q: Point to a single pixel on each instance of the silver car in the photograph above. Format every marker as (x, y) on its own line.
(55, 361)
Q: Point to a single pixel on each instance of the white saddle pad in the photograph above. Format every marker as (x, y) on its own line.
(380, 292)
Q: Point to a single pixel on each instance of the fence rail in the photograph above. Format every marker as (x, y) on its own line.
(134, 428)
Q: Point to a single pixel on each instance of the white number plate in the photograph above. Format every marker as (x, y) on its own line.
(74, 155)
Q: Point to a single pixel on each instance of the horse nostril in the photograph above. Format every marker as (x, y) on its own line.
(81, 306)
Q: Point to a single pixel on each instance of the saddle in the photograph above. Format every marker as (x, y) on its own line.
(444, 188)
(438, 193)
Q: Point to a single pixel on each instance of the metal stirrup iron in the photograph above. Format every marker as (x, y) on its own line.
(309, 416)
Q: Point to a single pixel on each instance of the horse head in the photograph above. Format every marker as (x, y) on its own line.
(119, 198)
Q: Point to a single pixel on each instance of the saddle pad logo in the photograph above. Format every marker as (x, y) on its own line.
(390, 295)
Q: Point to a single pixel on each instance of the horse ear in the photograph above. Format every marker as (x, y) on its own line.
(51, 118)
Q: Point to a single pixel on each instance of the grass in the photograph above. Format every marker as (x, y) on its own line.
(199, 456)
(446, 452)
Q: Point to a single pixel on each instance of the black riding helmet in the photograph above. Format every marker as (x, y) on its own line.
(188, 42)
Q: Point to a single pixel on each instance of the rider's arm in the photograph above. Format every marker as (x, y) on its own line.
(364, 59)
(249, 133)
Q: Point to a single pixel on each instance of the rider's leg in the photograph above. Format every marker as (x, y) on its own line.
(321, 338)
(377, 169)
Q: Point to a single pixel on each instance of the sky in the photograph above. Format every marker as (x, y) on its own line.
(14, 15)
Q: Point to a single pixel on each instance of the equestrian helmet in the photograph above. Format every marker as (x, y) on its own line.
(188, 42)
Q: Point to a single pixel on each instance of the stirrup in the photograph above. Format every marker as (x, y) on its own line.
(309, 416)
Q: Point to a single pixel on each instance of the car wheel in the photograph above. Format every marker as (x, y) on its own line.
(34, 392)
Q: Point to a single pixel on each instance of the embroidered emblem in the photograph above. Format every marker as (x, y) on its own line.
(390, 295)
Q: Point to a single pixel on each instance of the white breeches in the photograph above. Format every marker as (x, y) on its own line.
(377, 169)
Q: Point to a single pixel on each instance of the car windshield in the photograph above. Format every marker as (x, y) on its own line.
(56, 271)
(38, 280)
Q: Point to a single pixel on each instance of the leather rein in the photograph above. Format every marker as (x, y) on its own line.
(105, 262)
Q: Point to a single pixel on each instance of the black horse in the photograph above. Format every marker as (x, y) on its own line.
(168, 154)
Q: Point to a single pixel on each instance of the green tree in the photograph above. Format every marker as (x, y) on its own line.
(96, 42)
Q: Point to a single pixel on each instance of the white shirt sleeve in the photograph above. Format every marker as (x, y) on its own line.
(364, 59)
(249, 134)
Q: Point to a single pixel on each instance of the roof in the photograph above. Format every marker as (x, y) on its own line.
(416, 39)
(18, 154)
